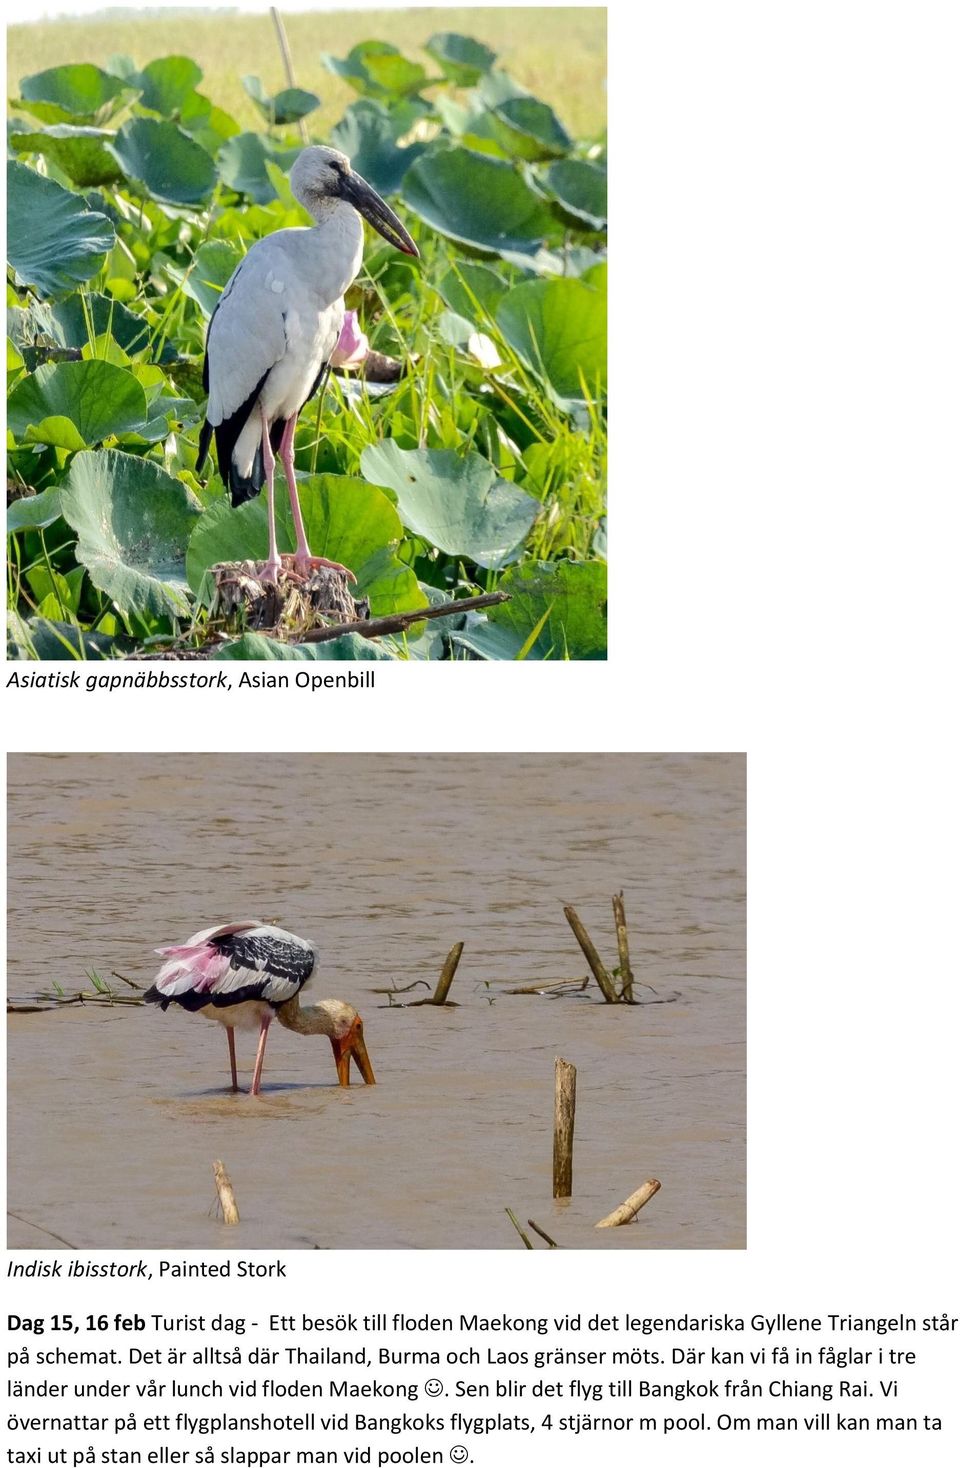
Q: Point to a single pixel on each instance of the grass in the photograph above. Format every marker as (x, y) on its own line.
(560, 54)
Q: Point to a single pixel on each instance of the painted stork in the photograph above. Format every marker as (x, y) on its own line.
(275, 329)
(245, 973)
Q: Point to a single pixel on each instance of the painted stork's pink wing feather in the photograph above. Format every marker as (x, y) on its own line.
(198, 967)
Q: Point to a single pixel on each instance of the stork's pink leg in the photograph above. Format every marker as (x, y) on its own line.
(233, 1057)
(303, 561)
(270, 569)
(258, 1067)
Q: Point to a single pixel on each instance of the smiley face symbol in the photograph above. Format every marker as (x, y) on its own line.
(459, 1454)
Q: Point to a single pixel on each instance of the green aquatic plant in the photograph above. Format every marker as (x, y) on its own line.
(479, 468)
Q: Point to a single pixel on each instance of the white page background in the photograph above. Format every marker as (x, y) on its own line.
(784, 350)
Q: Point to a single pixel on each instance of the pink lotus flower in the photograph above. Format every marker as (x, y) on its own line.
(353, 346)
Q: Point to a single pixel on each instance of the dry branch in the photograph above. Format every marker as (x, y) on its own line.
(380, 626)
(225, 1193)
(446, 974)
(284, 44)
(366, 627)
(632, 1206)
(532, 1223)
(402, 988)
(607, 986)
(623, 949)
(578, 985)
(124, 980)
(513, 1219)
(439, 995)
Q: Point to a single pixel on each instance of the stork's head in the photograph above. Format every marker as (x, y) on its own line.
(325, 173)
(346, 1038)
(341, 1024)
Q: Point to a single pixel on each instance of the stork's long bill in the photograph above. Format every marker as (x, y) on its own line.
(352, 1047)
(356, 191)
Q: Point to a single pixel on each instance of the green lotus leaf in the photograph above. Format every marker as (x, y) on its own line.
(580, 188)
(470, 124)
(213, 266)
(35, 511)
(459, 504)
(54, 641)
(54, 242)
(78, 92)
(286, 107)
(123, 67)
(170, 165)
(492, 643)
(559, 329)
(377, 69)
(367, 133)
(98, 398)
(393, 74)
(462, 60)
(497, 87)
(574, 592)
(471, 290)
(479, 201)
(255, 647)
(208, 125)
(167, 83)
(59, 432)
(79, 151)
(133, 523)
(242, 164)
(528, 128)
(68, 322)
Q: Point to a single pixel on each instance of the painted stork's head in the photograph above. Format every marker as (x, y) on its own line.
(324, 173)
(343, 1027)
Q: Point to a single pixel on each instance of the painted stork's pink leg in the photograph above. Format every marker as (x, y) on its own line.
(303, 561)
(270, 569)
(231, 1046)
(258, 1067)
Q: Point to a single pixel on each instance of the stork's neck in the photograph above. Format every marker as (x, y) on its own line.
(318, 1019)
(335, 243)
(330, 212)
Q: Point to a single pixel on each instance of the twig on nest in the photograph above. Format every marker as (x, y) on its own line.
(380, 626)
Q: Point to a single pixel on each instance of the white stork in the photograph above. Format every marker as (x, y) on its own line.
(275, 328)
(245, 973)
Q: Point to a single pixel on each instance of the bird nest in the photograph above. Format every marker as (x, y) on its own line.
(294, 605)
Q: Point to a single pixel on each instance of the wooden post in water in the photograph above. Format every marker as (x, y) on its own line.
(228, 1201)
(446, 975)
(623, 948)
(607, 987)
(632, 1206)
(564, 1112)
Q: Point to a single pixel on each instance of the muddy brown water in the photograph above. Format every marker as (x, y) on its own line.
(115, 1115)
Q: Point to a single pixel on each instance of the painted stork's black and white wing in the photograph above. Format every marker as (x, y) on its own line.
(232, 964)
